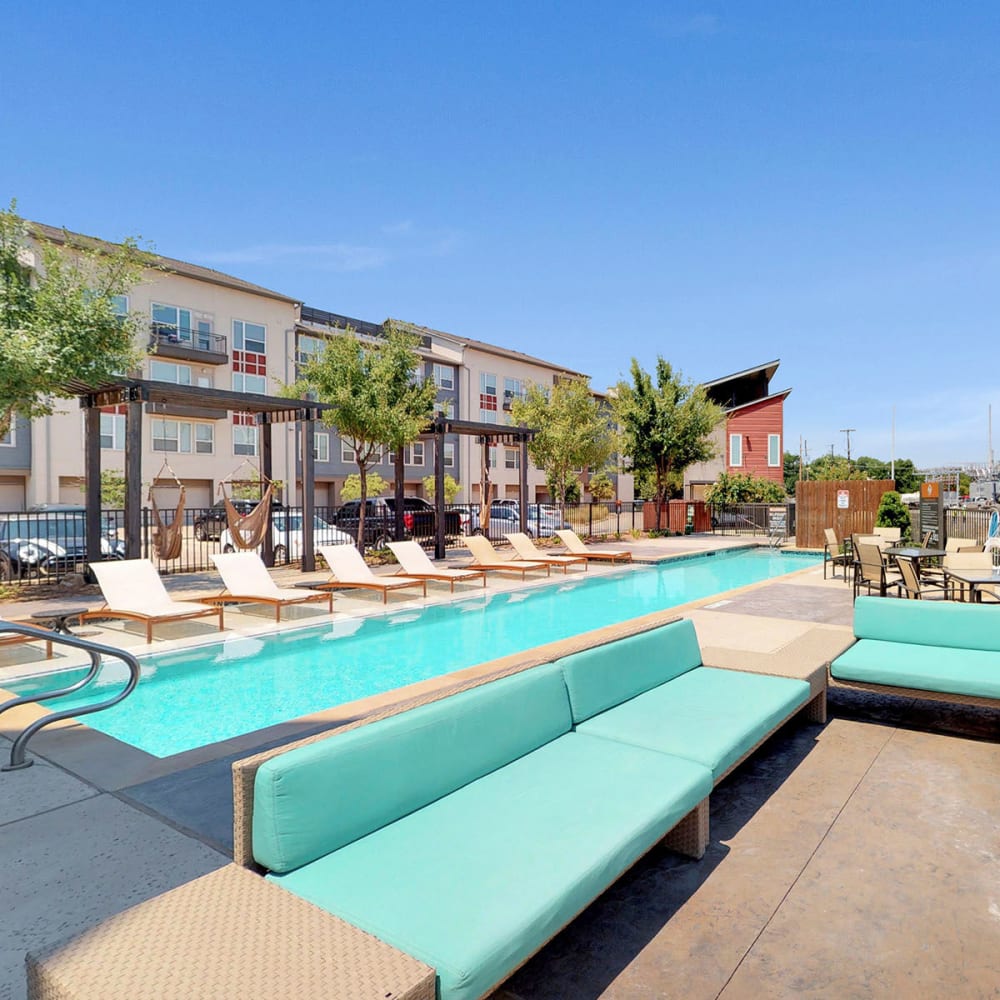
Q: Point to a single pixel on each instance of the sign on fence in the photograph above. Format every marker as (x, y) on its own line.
(843, 499)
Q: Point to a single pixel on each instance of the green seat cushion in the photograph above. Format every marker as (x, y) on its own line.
(476, 882)
(974, 672)
(707, 715)
(318, 797)
(926, 623)
(599, 678)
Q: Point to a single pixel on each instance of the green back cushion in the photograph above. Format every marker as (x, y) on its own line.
(605, 676)
(926, 623)
(319, 797)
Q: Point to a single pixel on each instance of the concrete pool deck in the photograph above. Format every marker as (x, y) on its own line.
(856, 859)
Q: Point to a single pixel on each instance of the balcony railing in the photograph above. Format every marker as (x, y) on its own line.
(173, 341)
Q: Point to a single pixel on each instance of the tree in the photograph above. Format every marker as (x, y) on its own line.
(376, 403)
(573, 433)
(893, 513)
(58, 317)
(832, 468)
(791, 472)
(872, 468)
(601, 487)
(351, 490)
(666, 427)
(742, 487)
(451, 488)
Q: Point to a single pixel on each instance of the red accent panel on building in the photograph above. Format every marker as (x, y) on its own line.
(249, 362)
(755, 423)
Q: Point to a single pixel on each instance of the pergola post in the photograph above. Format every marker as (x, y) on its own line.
(133, 479)
(523, 484)
(92, 481)
(267, 472)
(308, 492)
(439, 534)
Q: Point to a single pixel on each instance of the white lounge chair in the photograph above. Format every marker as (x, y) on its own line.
(484, 556)
(134, 591)
(413, 562)
(526, 549)
(246, 579)
(575, 544)
(350, 570)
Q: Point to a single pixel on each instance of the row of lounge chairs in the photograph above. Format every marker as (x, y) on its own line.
(134, 591)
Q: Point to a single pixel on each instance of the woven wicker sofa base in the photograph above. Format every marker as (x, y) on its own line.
(229, 935)
(901, 692)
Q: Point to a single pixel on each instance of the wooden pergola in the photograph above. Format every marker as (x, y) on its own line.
(142, 395)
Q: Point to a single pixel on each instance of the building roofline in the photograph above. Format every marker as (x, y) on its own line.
(772, 365)
(755, 402)
(53, 234)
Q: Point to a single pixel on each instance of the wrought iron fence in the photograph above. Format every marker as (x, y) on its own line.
(771, 519)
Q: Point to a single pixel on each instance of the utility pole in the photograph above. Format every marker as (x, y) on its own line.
(848, 431)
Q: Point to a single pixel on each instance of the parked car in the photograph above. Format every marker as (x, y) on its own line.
(506, 518)
(48, 544)
(209, 524)
(419, 520)
(286, 529)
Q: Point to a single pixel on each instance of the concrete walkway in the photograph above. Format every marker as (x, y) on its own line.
(853, 860)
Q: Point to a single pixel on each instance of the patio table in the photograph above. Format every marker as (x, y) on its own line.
(975, 579)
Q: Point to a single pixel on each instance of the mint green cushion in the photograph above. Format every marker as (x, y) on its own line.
(926, 623)
(316, 798)
(604, 676)
(974, 672)
(476, 882)
(707, 715)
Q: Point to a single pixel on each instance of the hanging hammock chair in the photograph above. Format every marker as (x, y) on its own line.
(168, 539)
(248, 530)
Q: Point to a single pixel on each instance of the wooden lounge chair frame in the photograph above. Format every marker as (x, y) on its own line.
(577, 547)
(527, 550)
(382, 586)
(499, 565)
(17, 640)
(227, 596)
(450, 576)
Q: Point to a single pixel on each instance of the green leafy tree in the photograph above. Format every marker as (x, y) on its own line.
(351, 490)
(833, 468)
(59, 318)
(908, 480)
(375, 401)
(451, 488)
(742, 487)
(893, 513)
(601, 487)
(665, 427)
(573, 491)
(872, 468)
(791, 472)
(573, 433)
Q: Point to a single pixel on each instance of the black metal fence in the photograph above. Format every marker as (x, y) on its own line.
(775, 520)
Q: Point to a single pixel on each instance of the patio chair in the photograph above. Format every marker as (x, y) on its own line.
(133, 591)
(870, 570)
(916, 587)
(484, 556)
(832, 554)
(971, 560)
(953, 546)
(413, 562)
(247, 580)
(13, 639)
(527, 550)
(350, 571)
(576, 547)
(891, 535)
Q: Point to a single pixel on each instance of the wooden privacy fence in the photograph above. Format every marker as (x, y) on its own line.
(820, 505)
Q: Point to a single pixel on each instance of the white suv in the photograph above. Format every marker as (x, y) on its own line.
(286, 531)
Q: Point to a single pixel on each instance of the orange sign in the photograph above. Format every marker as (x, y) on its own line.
(930, 491)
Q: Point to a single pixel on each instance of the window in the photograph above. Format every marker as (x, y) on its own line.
(735, 449)
(249, 337)
(493, 458)
(512, 458)
(774, 450)
(171, 323)
(120, 305)
(449, 455)
(488, 416)
(183, 437)
(164, 371)
(244, 440)
(513, 388)
(321, 448)
(347, 453)
(448, 408)
(309, 347)
(242, 382)
(113, 431)
(413, 454)
(444, 376)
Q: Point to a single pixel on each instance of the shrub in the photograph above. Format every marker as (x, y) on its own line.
(893, 513)
(741, 487)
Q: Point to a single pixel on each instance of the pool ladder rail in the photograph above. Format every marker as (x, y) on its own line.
(95, 651)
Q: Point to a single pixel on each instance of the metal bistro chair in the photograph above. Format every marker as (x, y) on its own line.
(832, 554)
(913, 587)
(870, 570)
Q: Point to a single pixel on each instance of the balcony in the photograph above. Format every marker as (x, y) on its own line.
(188, 345)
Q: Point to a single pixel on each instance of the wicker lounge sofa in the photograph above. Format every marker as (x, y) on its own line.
(941, 651)
(475, 840)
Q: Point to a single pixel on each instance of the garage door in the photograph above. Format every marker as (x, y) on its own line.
(71, 490)
(11, 494)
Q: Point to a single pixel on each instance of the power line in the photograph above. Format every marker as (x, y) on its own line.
(848, 431)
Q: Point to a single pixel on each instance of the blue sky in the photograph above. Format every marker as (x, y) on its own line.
(586, 182)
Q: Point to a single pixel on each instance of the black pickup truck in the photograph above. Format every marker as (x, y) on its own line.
(419, 520)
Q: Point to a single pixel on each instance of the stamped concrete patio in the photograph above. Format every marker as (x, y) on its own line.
(859, 859)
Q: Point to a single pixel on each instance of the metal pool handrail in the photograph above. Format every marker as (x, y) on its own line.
(94, 650)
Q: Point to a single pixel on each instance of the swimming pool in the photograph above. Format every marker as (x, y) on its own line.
(194, 697)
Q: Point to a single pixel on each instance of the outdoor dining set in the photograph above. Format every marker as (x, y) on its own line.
(963, 570)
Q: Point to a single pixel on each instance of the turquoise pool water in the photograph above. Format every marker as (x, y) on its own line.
(199, 696)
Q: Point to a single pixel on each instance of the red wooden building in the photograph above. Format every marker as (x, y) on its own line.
(752, 437)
